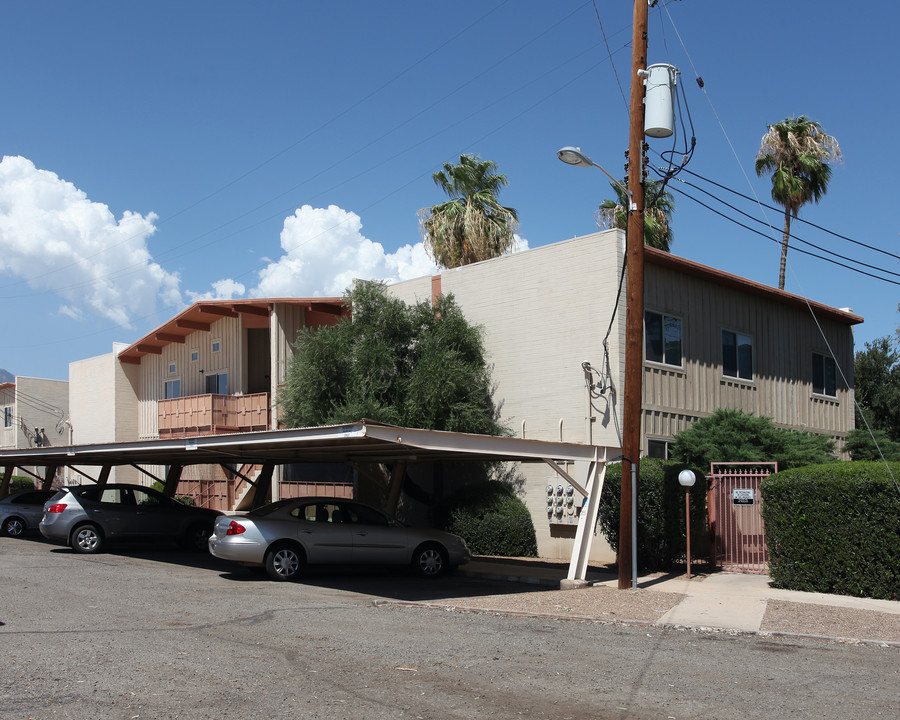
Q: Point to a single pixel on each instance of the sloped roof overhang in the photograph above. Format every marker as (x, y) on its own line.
(363, 441)
(201, 316)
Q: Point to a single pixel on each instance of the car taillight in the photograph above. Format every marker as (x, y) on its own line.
(58, 508)
(235, 528)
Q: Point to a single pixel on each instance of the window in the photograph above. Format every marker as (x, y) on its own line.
(737, 355)
(662, 338)
(173, 389)
(216, 345)
(658, 449)
(142, 497)
(171, 368)
(7, 416)
(824, 375)
(195, 355)
(217, 383)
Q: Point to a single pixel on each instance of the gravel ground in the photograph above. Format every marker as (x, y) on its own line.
(828, 621)
(596, 603)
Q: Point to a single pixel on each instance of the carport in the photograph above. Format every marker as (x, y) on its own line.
(354, 443)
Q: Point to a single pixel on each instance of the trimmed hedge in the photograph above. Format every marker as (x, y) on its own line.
(660, 519)
(490, 518)
(834, 529)
(20, 482)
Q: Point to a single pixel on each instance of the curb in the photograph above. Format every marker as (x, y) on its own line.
(763, 634)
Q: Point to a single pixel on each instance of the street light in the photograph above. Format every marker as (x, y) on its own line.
(686, 479)
(574, 157)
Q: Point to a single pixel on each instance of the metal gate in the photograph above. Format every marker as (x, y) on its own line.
(737, 536)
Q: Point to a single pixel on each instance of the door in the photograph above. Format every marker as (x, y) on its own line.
(156, 514)
(112, 508)
(376, 540)
(325, 537)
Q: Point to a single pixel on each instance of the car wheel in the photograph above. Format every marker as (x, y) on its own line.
(284, 562)
(87, 539)
(197, 538)
(13, 527)
(430, 560)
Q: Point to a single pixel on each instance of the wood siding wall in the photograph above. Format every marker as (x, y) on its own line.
(286, 323)
(155, 368)
(784, 340)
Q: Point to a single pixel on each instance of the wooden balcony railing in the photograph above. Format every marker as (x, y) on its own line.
(213, 415)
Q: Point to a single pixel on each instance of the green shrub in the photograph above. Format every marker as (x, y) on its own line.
(189, 500)
(738, 437)
(835, 529)
(661, 538)
(490, 518)
(20, 482)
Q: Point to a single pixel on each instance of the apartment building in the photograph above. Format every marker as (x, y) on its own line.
(555, 335)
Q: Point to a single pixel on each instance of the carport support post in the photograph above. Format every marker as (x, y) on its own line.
(104, 475)
(587, 520)
(47, 484)
(4, 483)
(398, 471)
(263, 486)
(173, 477)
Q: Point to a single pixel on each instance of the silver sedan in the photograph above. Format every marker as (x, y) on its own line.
(286, 536)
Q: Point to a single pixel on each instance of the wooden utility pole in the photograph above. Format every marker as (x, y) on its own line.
(634, 316)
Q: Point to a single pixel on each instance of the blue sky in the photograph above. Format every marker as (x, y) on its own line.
(156, 153)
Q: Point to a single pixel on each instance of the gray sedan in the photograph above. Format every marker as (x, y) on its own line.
(287, 535)
(22, 511)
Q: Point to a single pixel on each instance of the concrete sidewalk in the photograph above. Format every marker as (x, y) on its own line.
(722, 600)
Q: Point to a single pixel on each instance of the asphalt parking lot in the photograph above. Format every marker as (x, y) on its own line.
(140, 633)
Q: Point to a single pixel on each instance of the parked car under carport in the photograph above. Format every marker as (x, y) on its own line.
(286, 536)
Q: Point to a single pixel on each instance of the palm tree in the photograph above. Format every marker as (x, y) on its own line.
(472, 225)
(797, 152)
(657, 214)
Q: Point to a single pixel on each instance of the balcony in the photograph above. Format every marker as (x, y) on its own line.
(213, 415)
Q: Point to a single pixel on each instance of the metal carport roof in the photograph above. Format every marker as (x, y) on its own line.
(363, 441)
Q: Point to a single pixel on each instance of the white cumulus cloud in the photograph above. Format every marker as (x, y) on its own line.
(325, 250)
(226, 289)
(56, 239)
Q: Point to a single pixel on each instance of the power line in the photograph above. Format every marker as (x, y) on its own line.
(805, 222)
(790, 235)
(771, 239)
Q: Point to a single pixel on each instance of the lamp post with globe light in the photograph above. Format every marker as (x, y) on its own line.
(687, 478)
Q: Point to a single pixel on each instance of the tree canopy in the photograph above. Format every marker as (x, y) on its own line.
(877, 380)
(411, 365)
(472, 225)
(797, 152)
(735, 436)
(660, 204)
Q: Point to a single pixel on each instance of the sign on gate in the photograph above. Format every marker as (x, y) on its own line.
(742, 496)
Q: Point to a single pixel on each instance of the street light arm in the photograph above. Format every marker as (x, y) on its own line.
(573, 156)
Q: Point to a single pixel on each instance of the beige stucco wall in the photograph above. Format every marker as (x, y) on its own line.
(8, 434)
(544, 312)
(42, 404)
(104, 407)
